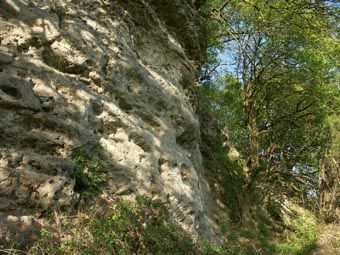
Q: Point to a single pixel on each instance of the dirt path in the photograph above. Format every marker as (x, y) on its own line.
(329, 242)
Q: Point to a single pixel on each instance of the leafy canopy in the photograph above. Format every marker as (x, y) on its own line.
(271, 80)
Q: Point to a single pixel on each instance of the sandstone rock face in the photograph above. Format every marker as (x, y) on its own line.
(77, 75)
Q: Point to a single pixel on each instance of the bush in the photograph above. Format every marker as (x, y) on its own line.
(88, 175)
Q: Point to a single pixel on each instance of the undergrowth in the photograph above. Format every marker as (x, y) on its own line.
(300, 237)
(140, 227)
(297, 237)
(88, 175)
(143, 227)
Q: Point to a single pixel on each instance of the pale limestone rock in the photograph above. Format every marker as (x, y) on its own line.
(17, 92)
(111, 75)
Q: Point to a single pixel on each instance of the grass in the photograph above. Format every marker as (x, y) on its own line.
(142, 226)
(301, 238)
(139, 227)
(297, 236)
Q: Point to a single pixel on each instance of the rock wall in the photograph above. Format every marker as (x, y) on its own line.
(120, 75)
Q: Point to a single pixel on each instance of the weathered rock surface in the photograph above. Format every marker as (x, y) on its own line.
(76, 75)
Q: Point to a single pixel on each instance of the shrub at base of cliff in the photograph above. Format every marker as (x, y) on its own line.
(295, 235)
(139, 227)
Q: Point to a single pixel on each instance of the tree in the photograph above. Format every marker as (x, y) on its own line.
(329, 189)
(279, 68)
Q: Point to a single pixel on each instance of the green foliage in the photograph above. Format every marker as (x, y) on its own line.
(140, 227)
(69, 39)
(274, 93)
(88, 175)
(208, 248)
(297, 237)
(302, 237)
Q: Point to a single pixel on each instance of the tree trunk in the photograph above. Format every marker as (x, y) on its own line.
(246, 208)
(329, 189)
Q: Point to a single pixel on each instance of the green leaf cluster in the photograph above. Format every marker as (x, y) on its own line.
(88, 175)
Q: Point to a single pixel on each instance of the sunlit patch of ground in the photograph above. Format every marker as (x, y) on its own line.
(329, 242)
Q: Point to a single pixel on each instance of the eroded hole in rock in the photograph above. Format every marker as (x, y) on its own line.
(151, 120)
(140, 141)
(52, 60)
(125, 105)
(129, 89)
(13, 92)
(63, 64)
(161, 162)
(97, 108)
(23, 48)
(161, 106)
(185, 172)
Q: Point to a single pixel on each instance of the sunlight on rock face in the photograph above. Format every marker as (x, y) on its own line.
(81, 75)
